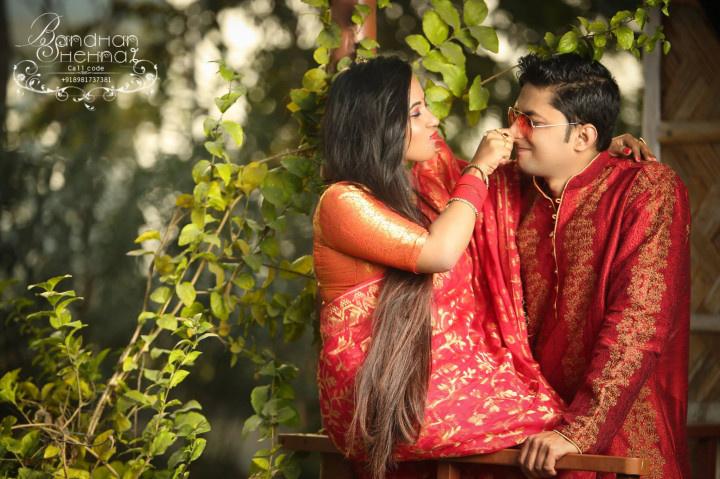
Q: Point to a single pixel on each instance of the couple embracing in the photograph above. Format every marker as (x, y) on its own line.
(467, 307)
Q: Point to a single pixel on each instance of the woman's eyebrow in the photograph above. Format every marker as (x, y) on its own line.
(414, 104)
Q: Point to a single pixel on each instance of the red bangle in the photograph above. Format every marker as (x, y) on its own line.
(470, 189)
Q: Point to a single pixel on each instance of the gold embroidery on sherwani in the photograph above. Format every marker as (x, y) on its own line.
(637, 324)
(580, 278)
(536, 287)
(643, 439)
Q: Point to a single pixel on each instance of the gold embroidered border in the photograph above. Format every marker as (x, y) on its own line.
(637, 325)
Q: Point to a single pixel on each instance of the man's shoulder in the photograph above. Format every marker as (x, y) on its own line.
(649, 176)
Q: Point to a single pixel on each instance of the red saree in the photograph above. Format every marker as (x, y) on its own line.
(485, 391)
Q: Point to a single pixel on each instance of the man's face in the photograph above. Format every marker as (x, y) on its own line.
(545, 153)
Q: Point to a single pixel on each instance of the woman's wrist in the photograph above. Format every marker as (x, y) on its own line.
(478, 170)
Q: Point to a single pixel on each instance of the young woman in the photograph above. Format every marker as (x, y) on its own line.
(425, 351)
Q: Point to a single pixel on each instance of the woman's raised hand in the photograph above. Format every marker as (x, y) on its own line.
(494, 150)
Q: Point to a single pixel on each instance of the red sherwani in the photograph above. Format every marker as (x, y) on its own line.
(606, 274)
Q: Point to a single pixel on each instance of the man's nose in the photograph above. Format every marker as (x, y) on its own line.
(515, 130)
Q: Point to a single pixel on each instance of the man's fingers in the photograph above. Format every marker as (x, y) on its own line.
(549, 466)
(524, 459)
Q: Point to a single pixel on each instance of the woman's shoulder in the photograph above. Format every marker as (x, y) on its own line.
(344, 193)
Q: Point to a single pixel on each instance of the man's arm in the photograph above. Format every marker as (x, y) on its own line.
(650, 271)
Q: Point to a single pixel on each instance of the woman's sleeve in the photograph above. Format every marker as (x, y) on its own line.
(355, 223)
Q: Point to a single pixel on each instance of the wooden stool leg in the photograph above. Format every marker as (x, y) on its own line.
(447, 470)
(335, 466)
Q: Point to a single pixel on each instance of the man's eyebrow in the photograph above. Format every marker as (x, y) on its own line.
(533, 113)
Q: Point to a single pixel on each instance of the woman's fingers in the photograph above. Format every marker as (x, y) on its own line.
(629, 146)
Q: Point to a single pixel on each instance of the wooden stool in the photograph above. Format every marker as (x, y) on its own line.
(335, 466)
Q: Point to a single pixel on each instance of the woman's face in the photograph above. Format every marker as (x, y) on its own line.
(422, 127)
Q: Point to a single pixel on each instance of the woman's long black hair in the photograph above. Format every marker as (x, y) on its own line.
(364, 130)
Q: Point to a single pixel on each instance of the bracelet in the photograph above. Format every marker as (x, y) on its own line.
(464, 201)
(483, 175)
(568, 440)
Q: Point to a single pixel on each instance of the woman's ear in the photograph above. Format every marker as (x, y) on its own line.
(586, 138)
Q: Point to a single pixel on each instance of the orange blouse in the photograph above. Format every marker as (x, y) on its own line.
(356, 237)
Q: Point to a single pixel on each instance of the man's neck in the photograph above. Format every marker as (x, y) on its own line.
(556, 183)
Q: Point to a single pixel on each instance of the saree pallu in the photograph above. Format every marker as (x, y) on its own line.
(485, 392)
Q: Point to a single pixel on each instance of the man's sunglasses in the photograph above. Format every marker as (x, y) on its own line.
(526, 125)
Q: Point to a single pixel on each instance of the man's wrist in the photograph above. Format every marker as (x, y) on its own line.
(579, 451)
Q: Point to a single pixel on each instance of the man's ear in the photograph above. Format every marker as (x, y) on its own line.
(586, 138)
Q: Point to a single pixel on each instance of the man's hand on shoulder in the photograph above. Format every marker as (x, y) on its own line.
(540, 452)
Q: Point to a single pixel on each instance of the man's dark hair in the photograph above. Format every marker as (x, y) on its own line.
(584, 90)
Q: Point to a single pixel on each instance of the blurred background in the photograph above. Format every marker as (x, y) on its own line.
(77, 186)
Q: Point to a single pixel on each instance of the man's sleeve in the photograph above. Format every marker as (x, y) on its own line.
(650, 274)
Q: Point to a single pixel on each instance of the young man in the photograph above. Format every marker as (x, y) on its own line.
(605, 264)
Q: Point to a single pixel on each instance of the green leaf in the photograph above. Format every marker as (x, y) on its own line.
(224, 171)
(640, 17)
(321, 56)
(447, 12)
(201, 171)
(620, 17)
(226, 72)
(329, 37)
(454, 77)
(160, 295)
(8, 386)
(210, 125)
(215, 148)
(259, 397)
(271, 247)
(251, 424)
(440, 109)
(129, 364)
(303, 264)
(360, 13)
(178, 377)
(161, 442)
(550, 39)
(453, 52)
(50, 284)
(464, 37)
(418, 43)
(600, 41)
(138, 397)
(434, 61)
(666, 47)
(568, 42)
(245, 281)
(148, 235)
(597, 27)
(167, 321)
(474, 12)
(227, 100)
(435, 29)
(218, 307)
(191, 422)
(252, 176)
(625, 37)
(437, 93)
(189, 234)
(186, 292)
(235, 131)
(478, 95)
(487, 37)
(51, 451)
(314, 79)
(198, 447)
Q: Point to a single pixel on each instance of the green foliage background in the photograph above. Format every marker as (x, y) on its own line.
(227, 260)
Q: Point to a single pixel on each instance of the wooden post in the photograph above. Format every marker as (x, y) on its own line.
(351, 34)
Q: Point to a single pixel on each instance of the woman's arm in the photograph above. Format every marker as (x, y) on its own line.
(450, 233)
